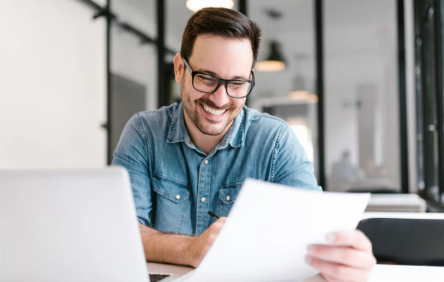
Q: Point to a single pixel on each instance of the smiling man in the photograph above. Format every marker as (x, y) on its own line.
(190, 158)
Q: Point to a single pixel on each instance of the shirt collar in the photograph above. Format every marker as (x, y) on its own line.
(178, 131)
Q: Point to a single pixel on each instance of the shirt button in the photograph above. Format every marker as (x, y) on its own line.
(202, 199)
(206, 162)
(178, 197)
(228, 198)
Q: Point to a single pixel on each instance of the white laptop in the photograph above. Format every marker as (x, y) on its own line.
(69, 225)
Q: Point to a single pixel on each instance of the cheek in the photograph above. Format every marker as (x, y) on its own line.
(186, 87)
(238, 104)
(188, 91)
(194, 96)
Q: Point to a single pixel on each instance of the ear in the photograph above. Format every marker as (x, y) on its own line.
(179, 68)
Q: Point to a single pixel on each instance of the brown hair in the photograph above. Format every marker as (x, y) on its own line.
(221, 22)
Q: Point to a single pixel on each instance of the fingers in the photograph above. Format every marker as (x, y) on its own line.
(215, 228)
(337, 272)
(343, 255)
(221, 220)
(349, 257)
(355, 239)
(202, 243)
(217, 225)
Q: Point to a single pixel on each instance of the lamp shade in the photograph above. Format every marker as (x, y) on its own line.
(301, 93)
(196, 5)
(275, 61)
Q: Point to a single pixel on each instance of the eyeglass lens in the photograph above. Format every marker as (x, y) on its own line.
(208, 83)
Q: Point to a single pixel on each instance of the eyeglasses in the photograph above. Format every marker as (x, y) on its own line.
(207, 83)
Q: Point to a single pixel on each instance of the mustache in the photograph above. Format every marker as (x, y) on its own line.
(211, 104)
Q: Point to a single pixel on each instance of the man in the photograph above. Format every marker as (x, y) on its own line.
(190, 158)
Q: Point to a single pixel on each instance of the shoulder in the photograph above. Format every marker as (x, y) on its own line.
(157, 117)
(152, 124)
(266, 131)
(157, 120)
(263, 123)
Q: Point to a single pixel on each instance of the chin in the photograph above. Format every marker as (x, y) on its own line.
(212, 130)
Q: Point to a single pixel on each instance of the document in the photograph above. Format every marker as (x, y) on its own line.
(267, 232)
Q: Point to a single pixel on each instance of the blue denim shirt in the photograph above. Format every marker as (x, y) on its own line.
(175, 183)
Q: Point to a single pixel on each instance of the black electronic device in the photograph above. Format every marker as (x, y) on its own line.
(406, 241)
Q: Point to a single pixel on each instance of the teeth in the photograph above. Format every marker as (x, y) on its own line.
(213, 111)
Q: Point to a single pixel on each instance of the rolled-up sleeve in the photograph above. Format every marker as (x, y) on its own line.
(290, 165)
(132, 153)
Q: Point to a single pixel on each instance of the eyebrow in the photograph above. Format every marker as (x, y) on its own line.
(214, 74)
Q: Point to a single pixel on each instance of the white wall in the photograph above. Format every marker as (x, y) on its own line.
(53, 85)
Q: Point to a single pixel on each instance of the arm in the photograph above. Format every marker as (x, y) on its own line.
(133, 153)
(290, 165)
(165, 248)
(178, 249)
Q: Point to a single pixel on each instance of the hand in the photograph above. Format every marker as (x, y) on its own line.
(200, 245)
(348, 257)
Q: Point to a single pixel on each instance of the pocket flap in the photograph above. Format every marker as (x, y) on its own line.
(170, 190)
(229, 195)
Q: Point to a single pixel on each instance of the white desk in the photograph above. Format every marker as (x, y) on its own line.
(381, 273)
(396, 203)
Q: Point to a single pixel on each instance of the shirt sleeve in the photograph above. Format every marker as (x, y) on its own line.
(132, 153)
(290, 165)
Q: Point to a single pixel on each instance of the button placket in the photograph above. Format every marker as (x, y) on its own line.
(203, 194)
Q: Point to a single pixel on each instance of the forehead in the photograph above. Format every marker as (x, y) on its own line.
(226, 57)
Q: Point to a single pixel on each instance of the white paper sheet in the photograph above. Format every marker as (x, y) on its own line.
(267, 232)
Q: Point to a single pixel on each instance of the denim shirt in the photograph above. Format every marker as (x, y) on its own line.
(175, 183)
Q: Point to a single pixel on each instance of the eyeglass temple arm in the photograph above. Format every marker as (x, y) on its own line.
(188, 66)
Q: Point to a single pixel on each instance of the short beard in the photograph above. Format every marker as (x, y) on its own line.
(194, 114)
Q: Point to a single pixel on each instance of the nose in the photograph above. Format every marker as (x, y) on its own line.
(220, 97)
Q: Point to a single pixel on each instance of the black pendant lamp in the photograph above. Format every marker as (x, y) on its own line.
(275, 61)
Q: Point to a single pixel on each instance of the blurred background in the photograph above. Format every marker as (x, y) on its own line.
(359, 82)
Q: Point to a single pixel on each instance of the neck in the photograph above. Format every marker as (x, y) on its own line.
(205, 142)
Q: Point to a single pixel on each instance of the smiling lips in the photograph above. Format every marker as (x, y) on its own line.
(213, 111)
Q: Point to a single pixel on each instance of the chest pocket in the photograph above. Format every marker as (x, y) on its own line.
(172, 204)
(227, 197)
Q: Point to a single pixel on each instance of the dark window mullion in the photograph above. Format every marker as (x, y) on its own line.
(403, 142)
(419, 100)
(440, 93)
(429, 97)
(430, 87)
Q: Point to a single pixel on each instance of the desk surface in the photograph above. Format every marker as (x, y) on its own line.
(381, 273)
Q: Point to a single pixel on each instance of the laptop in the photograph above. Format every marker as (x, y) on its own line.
(70, 225)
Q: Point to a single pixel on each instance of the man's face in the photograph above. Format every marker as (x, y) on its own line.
(213, 113)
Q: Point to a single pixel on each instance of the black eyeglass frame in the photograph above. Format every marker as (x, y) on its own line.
(220, 81)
